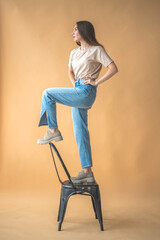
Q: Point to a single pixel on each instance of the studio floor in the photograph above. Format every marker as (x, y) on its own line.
(30, 216)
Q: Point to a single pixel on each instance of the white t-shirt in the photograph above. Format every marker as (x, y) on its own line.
(88, 63)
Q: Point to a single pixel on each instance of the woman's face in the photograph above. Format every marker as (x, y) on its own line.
(76, 35)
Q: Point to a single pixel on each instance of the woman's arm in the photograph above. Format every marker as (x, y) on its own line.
(71, 75)
(111, 71)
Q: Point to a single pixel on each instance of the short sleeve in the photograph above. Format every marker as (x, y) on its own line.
(103, 57)
(70, 60)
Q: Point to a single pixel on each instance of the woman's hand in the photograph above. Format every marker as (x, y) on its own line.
(89, 81)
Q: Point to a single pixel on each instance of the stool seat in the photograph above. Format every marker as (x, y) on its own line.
(68, 189)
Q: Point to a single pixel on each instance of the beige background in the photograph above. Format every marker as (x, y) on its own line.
(35, 43)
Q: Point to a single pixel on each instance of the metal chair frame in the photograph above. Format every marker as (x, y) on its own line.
(68, 189)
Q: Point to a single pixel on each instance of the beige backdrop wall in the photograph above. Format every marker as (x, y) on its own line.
(36, 40)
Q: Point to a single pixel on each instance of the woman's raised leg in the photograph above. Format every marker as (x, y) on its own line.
(73, 97)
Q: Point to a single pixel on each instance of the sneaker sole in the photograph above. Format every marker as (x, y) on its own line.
(56, 139)
(89, 180)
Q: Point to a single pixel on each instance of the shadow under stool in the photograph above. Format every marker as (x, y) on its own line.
(68, 189)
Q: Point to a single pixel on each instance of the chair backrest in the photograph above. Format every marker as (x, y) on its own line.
(63, 165)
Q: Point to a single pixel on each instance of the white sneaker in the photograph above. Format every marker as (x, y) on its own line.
(56, 136)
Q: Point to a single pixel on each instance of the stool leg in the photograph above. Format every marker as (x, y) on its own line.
(100, 210)
(62, 211)
(59, 226)
(59, 206)
(100, 214)
(94, 207)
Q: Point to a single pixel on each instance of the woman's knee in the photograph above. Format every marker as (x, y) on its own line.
(46, 92)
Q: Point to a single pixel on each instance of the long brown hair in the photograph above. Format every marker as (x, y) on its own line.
(87, 32)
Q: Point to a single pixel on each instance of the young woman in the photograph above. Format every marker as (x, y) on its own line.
(85, 63)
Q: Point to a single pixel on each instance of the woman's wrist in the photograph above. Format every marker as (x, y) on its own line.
(96, 83)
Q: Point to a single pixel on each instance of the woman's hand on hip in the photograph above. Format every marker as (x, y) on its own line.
(89, 81)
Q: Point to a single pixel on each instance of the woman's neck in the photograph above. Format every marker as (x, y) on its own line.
(84, 46)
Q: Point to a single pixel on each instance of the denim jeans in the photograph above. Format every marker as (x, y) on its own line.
(81, 98)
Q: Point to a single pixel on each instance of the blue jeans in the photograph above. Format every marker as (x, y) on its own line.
(81, 98)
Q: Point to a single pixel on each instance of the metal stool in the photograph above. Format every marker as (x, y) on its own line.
(68, 189)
